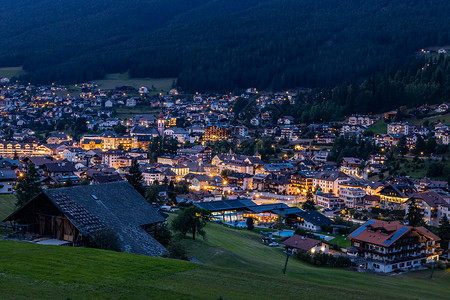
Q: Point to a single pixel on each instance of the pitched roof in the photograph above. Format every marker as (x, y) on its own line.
(314, 217)
(226, 204)
(60, 167)
(301, 242)
(428, 233)
(142, 130)
(104, 178)
(330, 175)
(277, 208)
(433, 199)
(115, 205)
(40, 161)
(385, 233)
(7, 174)
(402, 190)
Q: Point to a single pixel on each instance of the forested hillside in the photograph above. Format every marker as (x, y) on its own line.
(218, 44)
(424, 80)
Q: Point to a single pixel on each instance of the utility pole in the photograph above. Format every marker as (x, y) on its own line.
(285, 264)
(432, 268)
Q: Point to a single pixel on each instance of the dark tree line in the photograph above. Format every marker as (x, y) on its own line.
(219, 45)
(425, 80)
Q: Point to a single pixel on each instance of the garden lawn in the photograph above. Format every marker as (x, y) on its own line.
(342, 241)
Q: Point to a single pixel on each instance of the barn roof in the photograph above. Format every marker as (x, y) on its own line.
(115, 205)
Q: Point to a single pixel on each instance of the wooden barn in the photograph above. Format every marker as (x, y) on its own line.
(76, 213)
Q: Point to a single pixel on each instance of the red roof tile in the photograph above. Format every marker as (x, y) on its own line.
(301, 242)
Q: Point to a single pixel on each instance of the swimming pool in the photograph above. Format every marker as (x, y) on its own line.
(285, 233)
(240, 224)
(324, 237)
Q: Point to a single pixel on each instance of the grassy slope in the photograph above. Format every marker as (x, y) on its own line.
(242, 250)
(11, 72)
(378, 127)
(237, 266)
(7, 205)
(49, 272)
(435, 119)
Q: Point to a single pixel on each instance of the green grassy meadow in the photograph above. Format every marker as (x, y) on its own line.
(112, 80)
(378, 127)
(236, 265)
(7, 205)
(240, 249)
(11, 72)
(435, 119)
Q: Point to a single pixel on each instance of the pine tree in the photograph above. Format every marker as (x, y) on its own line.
(250, 223)
(135, 178)
(402, 147)
(171, 192)
(309, 203)
(444, 231)
(28, 186)
(152, 192)
(415, 214)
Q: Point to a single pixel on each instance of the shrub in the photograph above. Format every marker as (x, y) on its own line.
(176, 249)
(303, 232)
(441, 265)
(321, 259)
(250, 223)
(163, 235)
(105, 239)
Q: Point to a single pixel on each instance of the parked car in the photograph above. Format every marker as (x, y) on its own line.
(273, 244)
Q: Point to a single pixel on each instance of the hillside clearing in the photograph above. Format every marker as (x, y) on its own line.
(113, 80)
(11, 72)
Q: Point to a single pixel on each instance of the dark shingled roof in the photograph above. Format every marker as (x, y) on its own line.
(115, 205)
(60, 167)
(314, 217)
(226, 205)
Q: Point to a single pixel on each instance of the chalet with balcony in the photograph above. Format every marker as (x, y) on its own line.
(382, 246)
(433, 206)
(394, 196)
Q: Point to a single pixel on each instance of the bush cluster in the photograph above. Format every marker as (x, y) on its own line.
(322, 259)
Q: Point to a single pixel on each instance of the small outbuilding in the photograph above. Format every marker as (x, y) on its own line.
(300, 244)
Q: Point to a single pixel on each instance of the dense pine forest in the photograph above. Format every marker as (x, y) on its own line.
(219, 45)
(425, 80)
